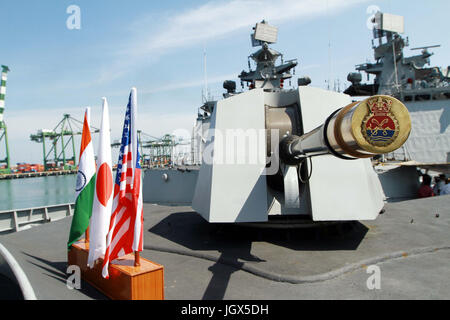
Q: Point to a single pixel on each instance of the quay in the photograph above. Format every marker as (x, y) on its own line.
(11, 176)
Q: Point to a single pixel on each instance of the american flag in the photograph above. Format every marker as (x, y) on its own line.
(126, 227)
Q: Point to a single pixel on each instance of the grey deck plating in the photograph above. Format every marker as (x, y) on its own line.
(203, 261)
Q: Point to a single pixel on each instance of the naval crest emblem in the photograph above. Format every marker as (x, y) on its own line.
(380, 127)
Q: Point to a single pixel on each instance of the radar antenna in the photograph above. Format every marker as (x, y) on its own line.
(428, 47)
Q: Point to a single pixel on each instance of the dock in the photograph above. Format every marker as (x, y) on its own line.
(11, 176)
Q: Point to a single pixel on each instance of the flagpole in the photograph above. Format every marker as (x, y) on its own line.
(137, 259)
(86, 238)
(88, 119)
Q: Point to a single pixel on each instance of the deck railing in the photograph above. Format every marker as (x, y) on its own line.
(16, 220)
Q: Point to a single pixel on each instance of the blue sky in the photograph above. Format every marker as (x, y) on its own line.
(158, 47)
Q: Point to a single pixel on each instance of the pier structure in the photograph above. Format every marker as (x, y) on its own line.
(12, 176)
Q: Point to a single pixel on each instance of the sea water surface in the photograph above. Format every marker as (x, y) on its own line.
(37, 192)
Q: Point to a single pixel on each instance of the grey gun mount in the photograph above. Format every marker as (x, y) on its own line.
(252, 182)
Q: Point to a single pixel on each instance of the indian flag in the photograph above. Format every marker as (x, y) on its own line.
(85, 185)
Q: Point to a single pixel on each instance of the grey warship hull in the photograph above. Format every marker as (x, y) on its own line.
(429, 142)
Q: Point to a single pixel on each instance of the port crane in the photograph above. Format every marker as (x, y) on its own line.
(160, 150)
(58, 145)
(61, 154)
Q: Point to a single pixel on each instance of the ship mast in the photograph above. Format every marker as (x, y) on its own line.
(267, 75)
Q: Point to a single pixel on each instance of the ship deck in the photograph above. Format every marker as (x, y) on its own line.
(410, 243)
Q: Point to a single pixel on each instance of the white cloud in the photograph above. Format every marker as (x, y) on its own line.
(219, 18)
(213, 20)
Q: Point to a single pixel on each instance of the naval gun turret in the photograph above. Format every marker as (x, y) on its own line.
(272, 151)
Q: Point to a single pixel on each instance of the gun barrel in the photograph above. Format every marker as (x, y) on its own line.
(377, 125)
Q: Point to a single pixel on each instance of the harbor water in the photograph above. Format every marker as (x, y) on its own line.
(37, 192)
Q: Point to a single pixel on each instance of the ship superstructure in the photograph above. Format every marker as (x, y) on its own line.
(258, 147)
(269, 72)
(425, 90)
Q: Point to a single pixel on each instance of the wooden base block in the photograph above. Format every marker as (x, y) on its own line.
(126, 282)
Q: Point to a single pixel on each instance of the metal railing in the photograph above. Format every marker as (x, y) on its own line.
(15, 220)
(11, 268)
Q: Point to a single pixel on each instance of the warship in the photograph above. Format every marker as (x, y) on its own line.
(425, 91)
(292, 131)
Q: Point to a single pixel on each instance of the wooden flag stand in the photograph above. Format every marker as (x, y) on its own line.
(130, 277)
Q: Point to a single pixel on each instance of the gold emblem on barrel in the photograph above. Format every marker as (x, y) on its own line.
(380, 124)
(380, 127)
